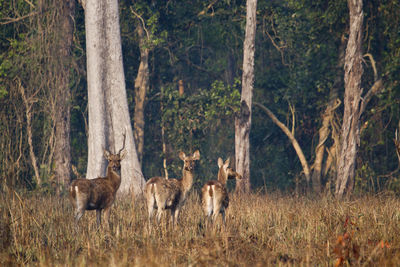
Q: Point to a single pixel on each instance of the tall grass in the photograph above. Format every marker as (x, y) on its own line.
(261, 230)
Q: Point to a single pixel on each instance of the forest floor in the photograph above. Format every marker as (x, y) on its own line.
(261, 230)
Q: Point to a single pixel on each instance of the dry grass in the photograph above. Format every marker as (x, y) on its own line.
(261, 230)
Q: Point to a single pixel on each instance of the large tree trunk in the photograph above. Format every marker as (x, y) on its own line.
(96, 88)
(243, 120)
(350, 133)
(108, 107)
(62, 153)
(327, 118)
(141, 87)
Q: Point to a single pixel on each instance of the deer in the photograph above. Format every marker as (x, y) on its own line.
(214, 195)
(99, 193)
(162, 194)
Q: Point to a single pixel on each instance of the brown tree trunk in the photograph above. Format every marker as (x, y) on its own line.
(350, 133)
(327, 118)
(243, 120)
(141, 87)
(62, 153)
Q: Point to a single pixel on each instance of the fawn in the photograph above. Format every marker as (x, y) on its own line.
(99, 193)
(162, 194)
(215, 198)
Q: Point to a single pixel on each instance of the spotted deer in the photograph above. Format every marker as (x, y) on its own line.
(99, 193)
(162, 194)
(215, 199)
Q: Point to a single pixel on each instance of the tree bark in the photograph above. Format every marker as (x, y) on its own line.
(108, 107)
(96, 88)
(62, 153)
(243, 120)
(350, 132)
(141, 87)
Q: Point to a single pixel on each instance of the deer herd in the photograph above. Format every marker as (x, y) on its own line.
(161, 194)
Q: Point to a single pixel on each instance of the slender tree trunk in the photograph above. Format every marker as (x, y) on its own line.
(243, 120)
(28, 103)
(108, 106)
(141, 87)
(350, 133)
(327, 117)
(164, 144)
(62, 157)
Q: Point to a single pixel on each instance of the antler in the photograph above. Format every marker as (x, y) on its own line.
(123, 146)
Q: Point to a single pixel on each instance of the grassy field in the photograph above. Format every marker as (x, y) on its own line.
(261, 230)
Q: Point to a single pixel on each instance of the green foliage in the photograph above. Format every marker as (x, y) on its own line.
(189, 119)
(188, 115)
(149, 18)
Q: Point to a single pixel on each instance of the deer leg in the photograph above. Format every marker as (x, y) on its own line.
(151, 214)
(78, 214)
(217, 208)
(160, 212)
(223, 216)
(98, 217)
(151, 207)
(175, 216)
(151, 210)
(208, 209)
(107, 212)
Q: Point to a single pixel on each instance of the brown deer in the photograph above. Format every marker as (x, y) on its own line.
(99, 193)
(215, 199)
(162, 194)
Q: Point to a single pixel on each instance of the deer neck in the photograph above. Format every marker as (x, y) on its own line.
(222, 177)
(187, 180)
(114, 177)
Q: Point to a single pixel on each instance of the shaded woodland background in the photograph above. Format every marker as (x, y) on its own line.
(195, 58)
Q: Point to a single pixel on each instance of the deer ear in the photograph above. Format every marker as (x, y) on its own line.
(220, 162)
(182, 155)
(227, 162)
(123, 154)
(106, 154)
(196, 155)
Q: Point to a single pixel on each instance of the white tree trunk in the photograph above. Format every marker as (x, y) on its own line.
(108, 107)
(96, 102)
(350, 133)
(243, 121)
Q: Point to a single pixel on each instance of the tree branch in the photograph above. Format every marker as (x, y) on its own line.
(143, 23)
(376, 87)
(292, 139)
(13, 20)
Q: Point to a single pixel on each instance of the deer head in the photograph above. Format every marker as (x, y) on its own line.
(225, 172)
(114, 160)
(189, 161)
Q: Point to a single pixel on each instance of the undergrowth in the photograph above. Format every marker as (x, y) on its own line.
(263, 230)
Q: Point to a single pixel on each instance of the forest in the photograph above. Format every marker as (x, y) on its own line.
(198, 48)
(319, 111)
